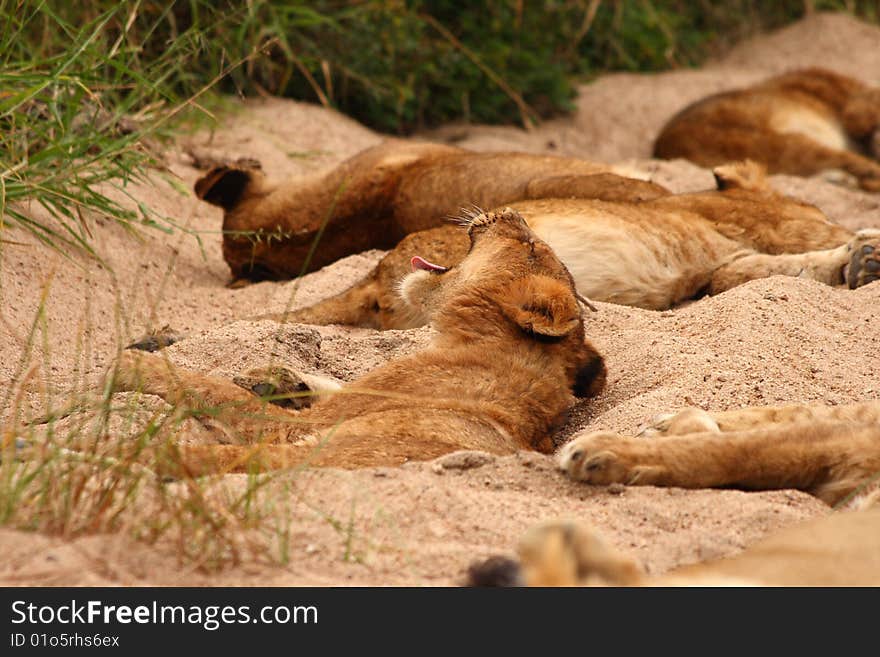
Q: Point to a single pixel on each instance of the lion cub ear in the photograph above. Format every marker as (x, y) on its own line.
(741, 175)
(541, 305)
(225, 185)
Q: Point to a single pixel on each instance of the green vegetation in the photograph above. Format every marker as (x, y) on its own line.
(82, 85)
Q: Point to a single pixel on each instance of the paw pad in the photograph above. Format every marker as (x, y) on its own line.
(864, 264)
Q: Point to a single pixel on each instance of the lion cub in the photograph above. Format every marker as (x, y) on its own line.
(841, 549)
(651, 253)
(804, 122)
(374, 199)
(832, 452)
(508, 361)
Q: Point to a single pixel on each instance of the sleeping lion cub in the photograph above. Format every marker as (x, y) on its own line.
(374, 199)
(508, 361)
(840, 549)
(803, 123)
(653, 253)
(832, 452)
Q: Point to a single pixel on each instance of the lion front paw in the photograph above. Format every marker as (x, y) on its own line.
(864, 263)
(606, 458)
(279, 385)
(156, 339)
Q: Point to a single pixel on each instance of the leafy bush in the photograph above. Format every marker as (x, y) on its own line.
(81, 84)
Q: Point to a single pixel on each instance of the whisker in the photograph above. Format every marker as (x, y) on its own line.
(466, 215)
(586, 302)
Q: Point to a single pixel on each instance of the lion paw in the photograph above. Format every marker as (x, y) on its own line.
(657, 425)
(494, 572)
(864, 264)
(156, 339)
(568, 553)
(607, 458)
(689, 420)
(283, 387)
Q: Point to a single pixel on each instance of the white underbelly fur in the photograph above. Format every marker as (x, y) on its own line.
(608, 264)
(796, 119)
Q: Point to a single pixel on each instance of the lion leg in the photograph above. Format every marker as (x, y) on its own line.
(350, 308)
(861, 115)
(855, 263)
(186, 461)
(830, 460)
(696, 420)
(221, 402)
(865, 170)
(781, 152)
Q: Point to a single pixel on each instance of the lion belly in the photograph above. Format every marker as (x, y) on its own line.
(821, 127)
(650, 263)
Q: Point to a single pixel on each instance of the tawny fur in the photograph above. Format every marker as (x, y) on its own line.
(508, 361)
(803, 122)
(375, 199)
(652, 253)
(832, 452)
(841, 549)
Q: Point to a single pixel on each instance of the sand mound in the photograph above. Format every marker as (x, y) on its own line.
(835, 41)
(775, 340)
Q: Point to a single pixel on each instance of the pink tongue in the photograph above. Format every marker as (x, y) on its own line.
(420, 263)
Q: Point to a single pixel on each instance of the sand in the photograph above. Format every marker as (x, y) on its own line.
(770, 341)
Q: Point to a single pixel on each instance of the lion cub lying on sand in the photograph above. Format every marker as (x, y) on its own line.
(832, 452)
(377, 197)
(841, 549)
(803, 123)
(652, 254)
(508, 360)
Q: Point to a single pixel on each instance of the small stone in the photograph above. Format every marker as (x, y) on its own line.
(616, 489)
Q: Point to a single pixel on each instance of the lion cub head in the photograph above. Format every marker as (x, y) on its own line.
(510, 290)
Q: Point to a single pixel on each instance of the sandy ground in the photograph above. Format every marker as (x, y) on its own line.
(770, 341)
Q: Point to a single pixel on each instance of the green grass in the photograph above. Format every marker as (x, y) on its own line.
(88, 91)
(83, 472)
(84, 107)
(62, 136)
